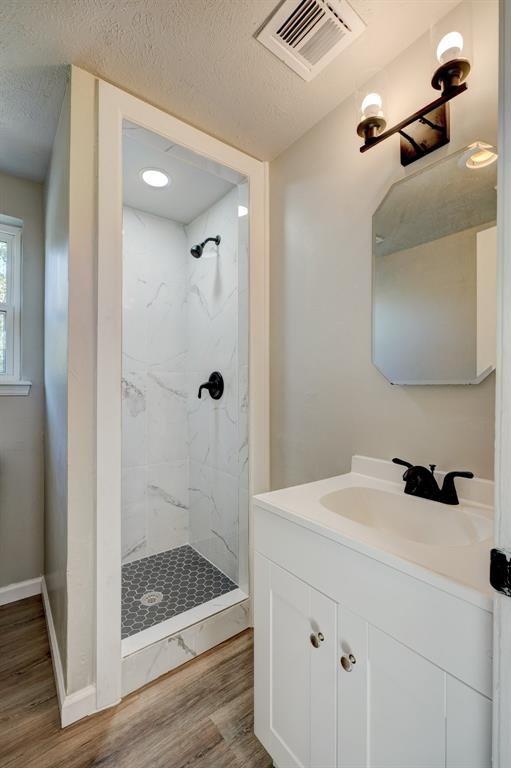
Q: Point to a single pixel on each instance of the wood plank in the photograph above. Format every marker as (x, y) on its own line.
(235, 721)
(198, 716)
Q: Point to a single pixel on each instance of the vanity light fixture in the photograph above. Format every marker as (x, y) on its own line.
(428, 128)
(154, 177)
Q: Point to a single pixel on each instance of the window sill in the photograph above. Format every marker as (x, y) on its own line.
(15, 388)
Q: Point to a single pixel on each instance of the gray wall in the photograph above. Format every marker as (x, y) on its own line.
(328, 401)
(21, 418)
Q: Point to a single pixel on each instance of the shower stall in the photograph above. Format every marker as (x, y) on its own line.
(184, 501)
(182, 402)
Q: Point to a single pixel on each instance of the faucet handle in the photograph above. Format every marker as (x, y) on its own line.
(402, 463)
(214, 385)
(448, 494)
(432, 468)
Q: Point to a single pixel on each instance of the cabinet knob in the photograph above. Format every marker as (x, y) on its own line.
(316, 639)
(348, 661)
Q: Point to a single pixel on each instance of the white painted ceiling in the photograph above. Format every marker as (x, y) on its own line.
(197, 59)
(195, 183)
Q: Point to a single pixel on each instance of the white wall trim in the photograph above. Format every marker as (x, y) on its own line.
(78, 705)
(15, 388)
(501, 756)
(72, 706)
(114, 106)
(20, 590)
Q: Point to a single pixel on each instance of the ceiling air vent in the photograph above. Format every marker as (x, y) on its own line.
(308, 34)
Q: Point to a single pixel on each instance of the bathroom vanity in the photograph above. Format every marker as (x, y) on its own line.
(373, 624)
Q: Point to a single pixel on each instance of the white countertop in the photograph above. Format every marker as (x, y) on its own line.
(459, 570)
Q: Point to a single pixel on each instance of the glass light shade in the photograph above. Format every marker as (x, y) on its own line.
(154, 177)
(242, 211)
(480, 155)
(372, 106)
(449, 47)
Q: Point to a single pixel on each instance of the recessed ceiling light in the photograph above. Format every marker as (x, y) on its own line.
(242, 211)
(479, 155)
(154, 177)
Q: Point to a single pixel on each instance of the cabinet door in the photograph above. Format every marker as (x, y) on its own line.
(468, 726)
(295, 681)
(391, 702)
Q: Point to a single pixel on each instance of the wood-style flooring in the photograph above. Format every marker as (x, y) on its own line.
(199, 716)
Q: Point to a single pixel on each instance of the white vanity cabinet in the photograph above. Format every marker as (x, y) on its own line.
(358, 664)
(398, 710)
(296, 693)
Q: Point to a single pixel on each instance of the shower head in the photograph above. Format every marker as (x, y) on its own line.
(196, 250)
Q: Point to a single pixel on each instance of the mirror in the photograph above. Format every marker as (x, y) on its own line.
(434, 274)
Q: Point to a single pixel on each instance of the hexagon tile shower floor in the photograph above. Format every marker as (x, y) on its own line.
(161, 586)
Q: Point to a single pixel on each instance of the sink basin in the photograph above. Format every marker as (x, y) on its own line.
(408, 517)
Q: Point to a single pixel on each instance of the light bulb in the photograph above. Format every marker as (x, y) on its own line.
(449, 47)
(372, 106)
(242, 211)
(154, 178)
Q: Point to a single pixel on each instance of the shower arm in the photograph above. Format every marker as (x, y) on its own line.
(215, 240)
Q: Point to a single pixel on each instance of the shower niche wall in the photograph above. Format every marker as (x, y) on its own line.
(184, 458)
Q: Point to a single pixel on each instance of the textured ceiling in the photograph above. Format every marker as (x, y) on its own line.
(197, 59)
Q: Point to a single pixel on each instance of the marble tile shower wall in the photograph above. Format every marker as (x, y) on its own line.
(185, 460)
(218, 430)
(155, 496)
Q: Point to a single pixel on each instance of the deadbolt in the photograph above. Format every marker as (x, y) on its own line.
(316, 639)
(348, 661)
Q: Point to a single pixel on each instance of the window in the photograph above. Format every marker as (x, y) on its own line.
(10, 312)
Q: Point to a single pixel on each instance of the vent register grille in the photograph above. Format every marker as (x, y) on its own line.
(308, 34)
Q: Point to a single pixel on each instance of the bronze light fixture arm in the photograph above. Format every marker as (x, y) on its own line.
(447, 95)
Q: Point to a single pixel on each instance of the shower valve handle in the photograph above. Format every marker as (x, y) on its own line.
(215, 386)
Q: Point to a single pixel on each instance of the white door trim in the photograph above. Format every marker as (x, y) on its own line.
(502, 604)
(114, 106)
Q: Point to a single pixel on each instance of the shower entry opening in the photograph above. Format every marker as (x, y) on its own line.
(185, 396)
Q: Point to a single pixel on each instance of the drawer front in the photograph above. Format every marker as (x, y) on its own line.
(451, 633)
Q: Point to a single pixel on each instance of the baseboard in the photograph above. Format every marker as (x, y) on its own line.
(20, 590)
(72, 706)
(78, 705)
